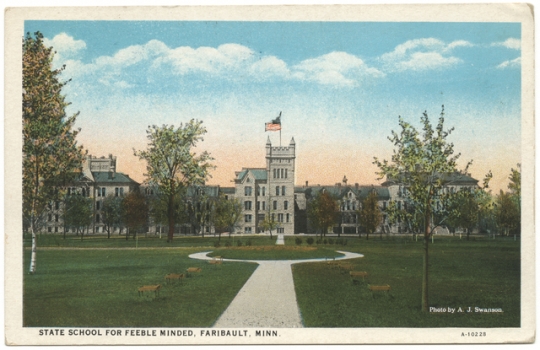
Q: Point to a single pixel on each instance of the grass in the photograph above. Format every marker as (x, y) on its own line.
(275, 253)
(462, 274)
(98, 288)
(151, 241)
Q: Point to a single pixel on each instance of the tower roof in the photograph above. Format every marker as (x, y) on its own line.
(268, 143)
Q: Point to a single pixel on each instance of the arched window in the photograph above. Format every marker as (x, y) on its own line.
(282, 190)
(286, 205)
(277, 190)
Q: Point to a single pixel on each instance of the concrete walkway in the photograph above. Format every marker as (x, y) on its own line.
(280, 240)
(268, 298)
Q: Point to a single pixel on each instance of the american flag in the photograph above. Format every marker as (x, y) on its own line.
(274, 125)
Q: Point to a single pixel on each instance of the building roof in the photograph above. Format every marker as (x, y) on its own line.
(361, 192)
(110, 178)
(258, 173)
(454, 178)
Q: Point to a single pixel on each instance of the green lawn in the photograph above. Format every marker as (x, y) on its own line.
(275, 253)
(98, 288)
(151, 241)
(463, 273)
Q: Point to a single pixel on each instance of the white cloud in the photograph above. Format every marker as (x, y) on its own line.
(335, 68)
(510, 43)
(423, 54)
(65, 45)
(515, 63)
(228, 61)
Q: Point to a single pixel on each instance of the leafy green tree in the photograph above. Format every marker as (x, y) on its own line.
(226, 214)
(418, 163)
(466, 206)
(200, 208)
(370, 215)
(507, 213)
(323, 212)
(51, 157)
(134, 212)
(158, 208)
(111, 212)
(77, 213)
(269, 223)
(172, 166)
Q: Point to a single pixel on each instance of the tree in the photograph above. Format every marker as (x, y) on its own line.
(111, 212)
(370, 215)
(134, 212)
(323, 212)
(51, 157)
(465, 207)
(420, 162)
(269, 223)
(200, 209)
(158, 208)
(77, 213)
(226, 214)
(507, 214)
(171, 164)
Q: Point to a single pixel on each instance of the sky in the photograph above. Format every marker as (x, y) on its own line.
(340, 86)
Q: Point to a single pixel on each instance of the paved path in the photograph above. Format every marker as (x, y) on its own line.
(268, 298)
(280, 240)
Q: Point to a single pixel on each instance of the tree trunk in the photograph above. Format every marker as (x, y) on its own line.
(170, 210)
(425, 267)
(34, 245)
(468, 234)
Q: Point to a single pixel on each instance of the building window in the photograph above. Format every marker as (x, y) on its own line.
(282, 190)
(288, 217)
(282, 171)
(264, 190)
(247, 218)
(280, 217)
(121, 191)
(56, 218)
(264, 205)
(258, 205)
(57, 205)
(258, 190)
(275, 205)
(50, 217)
(273, 217)
(98, 205)
(116, 191)
(247, 191)
(247, 205)
(49, 229)
(286, 205)
(285, 173)
(97, 217)
(277, 190)
(274, 173)
(247, 229)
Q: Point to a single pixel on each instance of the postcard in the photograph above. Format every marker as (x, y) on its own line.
(347, 174)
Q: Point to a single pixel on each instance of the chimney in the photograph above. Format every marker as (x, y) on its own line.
(307, 183)
(356, 185)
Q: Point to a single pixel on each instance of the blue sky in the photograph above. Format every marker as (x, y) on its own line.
(340, 86)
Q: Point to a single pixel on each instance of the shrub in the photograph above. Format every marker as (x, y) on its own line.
(217, 245)
(239, 243)
(228, 244)
(319, 241)
(310, 241)
(298, 240)
(248, 243)
(325, 241)
(331, 241)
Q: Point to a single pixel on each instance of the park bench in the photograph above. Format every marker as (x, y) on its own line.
(355, 275)
(191, 270)
(216, 260)
(151, 288)
(345, 267)
(385, 288)
(174, 276)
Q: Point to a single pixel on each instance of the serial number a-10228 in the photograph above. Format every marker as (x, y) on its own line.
(473, 334)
